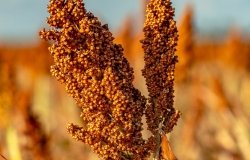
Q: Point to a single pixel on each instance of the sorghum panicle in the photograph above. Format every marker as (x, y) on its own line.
(185, 48)
(99, 78)
(159, 44)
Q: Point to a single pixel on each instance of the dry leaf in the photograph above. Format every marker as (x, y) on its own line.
(166, 150)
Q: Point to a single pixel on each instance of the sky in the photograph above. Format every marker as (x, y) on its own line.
(23, 18)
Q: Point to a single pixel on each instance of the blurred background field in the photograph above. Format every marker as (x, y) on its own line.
(212, 80)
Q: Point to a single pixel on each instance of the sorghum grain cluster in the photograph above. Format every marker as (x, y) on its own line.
(99, 78)
(159, 46)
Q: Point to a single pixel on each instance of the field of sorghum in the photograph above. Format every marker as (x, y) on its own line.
(212, 81)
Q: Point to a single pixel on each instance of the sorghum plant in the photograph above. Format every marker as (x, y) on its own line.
(159, 46)
(33, 141)
(186, 44)
(6, 90)
(96, 74)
